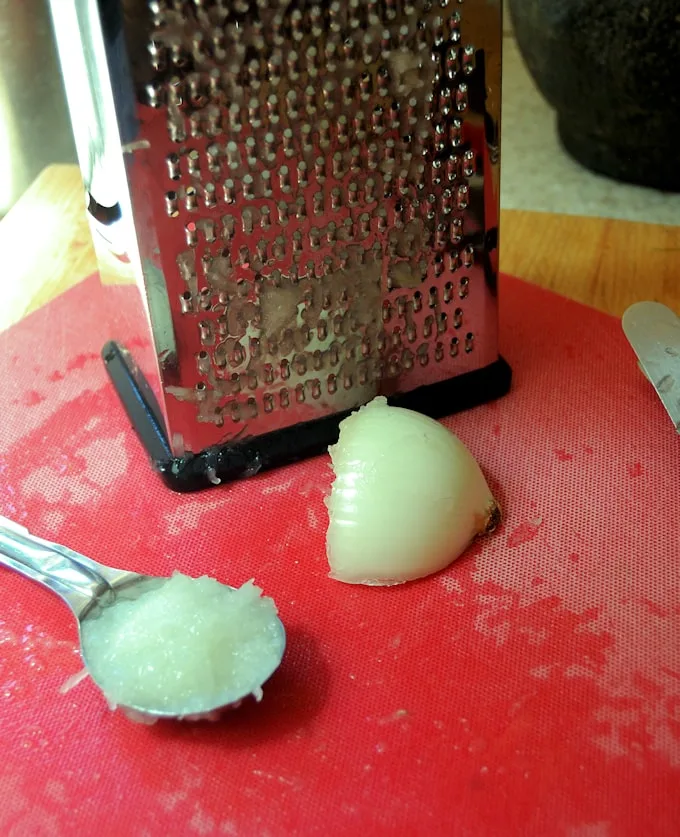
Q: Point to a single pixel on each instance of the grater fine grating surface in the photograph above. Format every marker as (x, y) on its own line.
(314, 189)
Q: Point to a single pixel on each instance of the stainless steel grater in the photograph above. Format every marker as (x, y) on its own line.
(313, 188)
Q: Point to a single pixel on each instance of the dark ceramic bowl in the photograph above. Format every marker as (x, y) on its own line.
(611, 70)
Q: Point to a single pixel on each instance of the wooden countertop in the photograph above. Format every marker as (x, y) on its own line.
(602, 262)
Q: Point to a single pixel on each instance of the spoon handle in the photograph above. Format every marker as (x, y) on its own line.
(73, 577)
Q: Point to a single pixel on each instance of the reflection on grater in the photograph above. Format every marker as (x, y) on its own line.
(314, 191)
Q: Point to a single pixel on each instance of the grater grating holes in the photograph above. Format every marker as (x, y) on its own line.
(269, 160)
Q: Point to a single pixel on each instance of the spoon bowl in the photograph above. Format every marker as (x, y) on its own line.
(90, 588)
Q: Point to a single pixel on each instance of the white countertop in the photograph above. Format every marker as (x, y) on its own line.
(537, 174)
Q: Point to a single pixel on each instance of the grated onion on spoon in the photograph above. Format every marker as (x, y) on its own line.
(407, 500)
(191, 643)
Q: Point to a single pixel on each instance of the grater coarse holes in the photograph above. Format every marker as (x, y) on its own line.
(314, 189)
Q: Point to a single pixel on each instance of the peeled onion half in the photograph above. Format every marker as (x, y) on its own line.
(407, 499)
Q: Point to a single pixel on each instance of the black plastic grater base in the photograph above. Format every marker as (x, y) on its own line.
(236, 460)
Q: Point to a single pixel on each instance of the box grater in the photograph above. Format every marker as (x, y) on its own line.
(307, 195)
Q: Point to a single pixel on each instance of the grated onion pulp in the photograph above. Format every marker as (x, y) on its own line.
(408, 497)
(188, 646)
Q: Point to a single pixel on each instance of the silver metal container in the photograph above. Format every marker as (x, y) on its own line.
(307, 194)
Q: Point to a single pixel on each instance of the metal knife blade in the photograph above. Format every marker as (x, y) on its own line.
(653, 330)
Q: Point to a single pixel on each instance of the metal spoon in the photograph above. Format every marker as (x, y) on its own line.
(87, 587)
(653, 330)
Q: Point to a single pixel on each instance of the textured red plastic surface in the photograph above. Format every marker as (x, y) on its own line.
(532, 688)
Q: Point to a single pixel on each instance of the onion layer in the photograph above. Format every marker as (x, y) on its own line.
(407, 500)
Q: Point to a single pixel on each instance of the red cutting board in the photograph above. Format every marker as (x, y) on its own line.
(531, 689)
